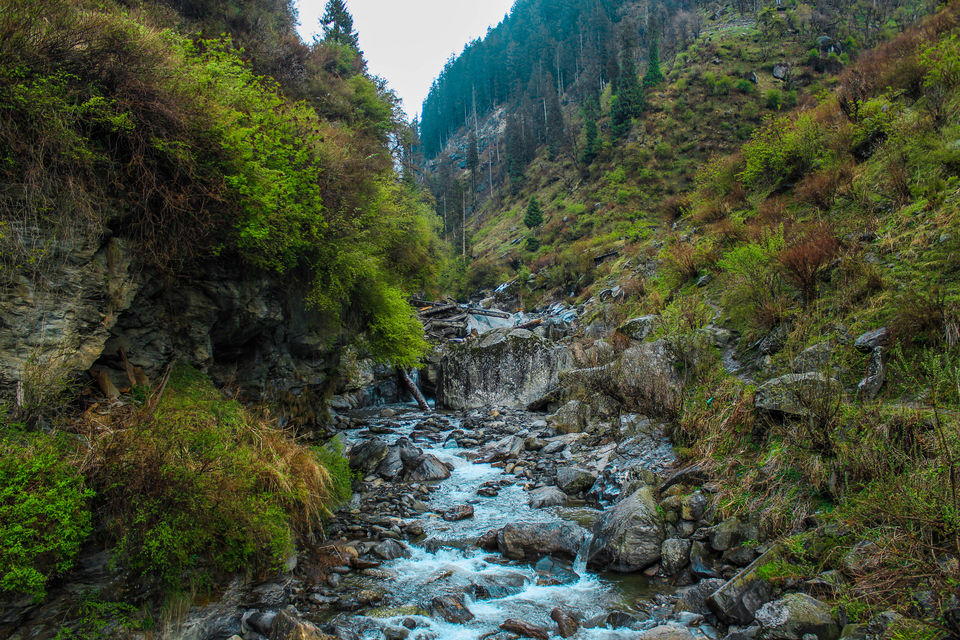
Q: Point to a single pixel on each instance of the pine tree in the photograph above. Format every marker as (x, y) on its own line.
(338, 25)
(592, 146)
(534, 216)
(628, 102)
(556, 137)
(654, 75)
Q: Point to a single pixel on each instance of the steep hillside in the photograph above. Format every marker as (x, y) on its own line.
(175, 226)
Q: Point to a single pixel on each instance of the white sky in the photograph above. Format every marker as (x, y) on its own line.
(408, 41)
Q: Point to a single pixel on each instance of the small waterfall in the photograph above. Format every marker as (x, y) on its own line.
(583, 555)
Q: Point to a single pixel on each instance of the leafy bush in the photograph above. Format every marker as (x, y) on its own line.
(44, 515)
(205, 486)
(781, 151)
(754, 283)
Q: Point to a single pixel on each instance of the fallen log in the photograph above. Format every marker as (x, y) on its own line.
(414, 390)
(486, 312)
(530, 325)
(435, 311)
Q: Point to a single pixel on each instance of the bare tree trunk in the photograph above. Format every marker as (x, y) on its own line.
(413, 389)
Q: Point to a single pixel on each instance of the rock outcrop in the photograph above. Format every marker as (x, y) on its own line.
(505, 368)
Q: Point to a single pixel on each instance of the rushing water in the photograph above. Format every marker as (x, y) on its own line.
(448, 561)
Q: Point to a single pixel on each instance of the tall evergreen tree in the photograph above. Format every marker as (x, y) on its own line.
(654, 75)
(628, 102)
(556, 136)
(590, 115)
(338, 25)
(473, 158)
(534, 215)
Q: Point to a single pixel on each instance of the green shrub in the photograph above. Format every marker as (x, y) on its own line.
(781, 151)
(774, 99)
(753, 281)
(744, 86)
(44, 516)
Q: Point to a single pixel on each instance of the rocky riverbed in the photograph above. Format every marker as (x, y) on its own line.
(489, 524)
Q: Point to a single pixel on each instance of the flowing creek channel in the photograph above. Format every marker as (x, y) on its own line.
(446, 560)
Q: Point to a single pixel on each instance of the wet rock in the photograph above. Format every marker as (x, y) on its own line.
(451, 608)
(534, 444)
(396, 633)
(459, 513)
(694, 598)
(551, 571)
(794, 616)
(499, 585)
(666, 632)
(390, 550)
(504, 367)
(701, 563)
(567, 624)
(505, 449)
(870, 340)
(639, 328)
(675, 554)
(525, 629)
(574, 480)
(628, 536)
(737, 601)
(427, 468)
(791, 394)
(546, 497)
(619, 620)
(888, 625)
(534, 540)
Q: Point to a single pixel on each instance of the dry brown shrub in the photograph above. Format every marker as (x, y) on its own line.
(821, 188)
(807, 259)
(675, 207)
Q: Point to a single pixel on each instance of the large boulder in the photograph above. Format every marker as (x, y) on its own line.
(795, 394)
(629, 536)
(504, 367)
(569, 418)
(795, 616)
(426, 468)
(639, 328)
(644, 378)
(528, 541)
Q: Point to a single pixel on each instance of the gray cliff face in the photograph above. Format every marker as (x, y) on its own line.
(503, 368)
(91, 300)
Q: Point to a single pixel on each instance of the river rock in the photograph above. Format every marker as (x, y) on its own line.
(534, 540)
(871, 384)
(367, 456)
(629, 535)
(570, 418)
(738, 600)
(287, 626)
(574, 480)
(675, 554)
(451, 608)
(504, 367)
(667, 632)
(794, 616)
(427, 468)
(459, 513)
(788, 394)
(390, 550)
(567, 624)
(505, 449)
(694, 598)
(546, 497)
(525, 629)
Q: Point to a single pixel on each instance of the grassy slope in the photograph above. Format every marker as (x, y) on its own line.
(836, 219)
